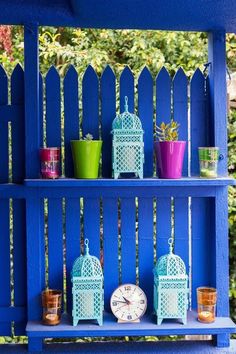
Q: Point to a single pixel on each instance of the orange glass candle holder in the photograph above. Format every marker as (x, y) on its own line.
(51, 302)
(206, 301)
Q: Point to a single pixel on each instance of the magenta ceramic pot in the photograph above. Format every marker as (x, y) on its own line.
(169, 158)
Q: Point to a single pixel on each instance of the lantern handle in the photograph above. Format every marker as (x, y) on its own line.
(86, 243)
(126, 104)
(171, 244)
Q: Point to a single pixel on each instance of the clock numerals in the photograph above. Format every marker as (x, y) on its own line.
(128, 303)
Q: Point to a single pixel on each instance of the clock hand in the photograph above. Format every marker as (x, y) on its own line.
(127, 301)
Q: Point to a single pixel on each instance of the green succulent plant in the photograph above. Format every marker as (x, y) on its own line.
(88, 137)
(168, 132)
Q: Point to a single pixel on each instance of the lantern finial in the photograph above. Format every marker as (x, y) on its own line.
(86, 242)
(126, 104)
(171, 244)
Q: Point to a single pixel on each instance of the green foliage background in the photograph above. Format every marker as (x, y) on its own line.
(64, 46)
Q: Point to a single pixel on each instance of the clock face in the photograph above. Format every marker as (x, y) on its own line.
(128, 302)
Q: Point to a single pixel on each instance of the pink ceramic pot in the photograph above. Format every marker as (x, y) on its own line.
(169, 158)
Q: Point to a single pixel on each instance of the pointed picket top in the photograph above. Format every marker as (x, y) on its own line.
(180, 76)
(108, 72)
(163, 74)
(17, 85)
(52, 74)
(3, 86)
(198, 80)
(127, 89)
(71, 73)
(145, 74)
(90, 73)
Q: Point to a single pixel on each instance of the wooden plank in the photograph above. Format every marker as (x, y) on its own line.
(92, 225)
(41, 111)
(110, 242)
(32, 123)
(127, 89)
(163, 97)
(146, 247)
(5, 298)
(53, 108)
(180, 111)
(147, 327)
(55, 244)
(163, 225)
(128, 241)
(164, 347)
(145, 111)
(35, 256)
(181, 230)
(108, 113)
(72, 243)
(90, 122)
(202, 251)
(71, 111)
(199, 120)
(218, 96)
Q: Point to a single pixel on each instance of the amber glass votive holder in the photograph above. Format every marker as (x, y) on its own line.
(51, 302)
(206, 302)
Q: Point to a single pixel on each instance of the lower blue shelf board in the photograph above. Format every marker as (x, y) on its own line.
(146, 327)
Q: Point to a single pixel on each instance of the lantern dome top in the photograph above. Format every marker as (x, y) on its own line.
(127, 121)
(170, 264)
(87, 266)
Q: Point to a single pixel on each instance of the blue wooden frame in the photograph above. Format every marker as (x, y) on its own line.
(207, 197)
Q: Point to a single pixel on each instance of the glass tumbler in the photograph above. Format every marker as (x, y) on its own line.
(208, 161)
(50, 162)
(51, 302)
(206, 302)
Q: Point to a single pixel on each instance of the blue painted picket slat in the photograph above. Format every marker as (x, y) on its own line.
(41, 101)
(181, 229)
(145, 112)
(127, 89)
(90, 103)
(3, 127)
(163, 205)
(55, 244)
(110, 248)
(128, 241)
(199, 207)
(199, 121)
(146, 247)
(108, 113)
(202, 247)
(72, 243)
(71, 111)
(180, 111)
(92, 224)
(18, 171)
(5, 298)
(163, 97)
(53, 108)
(163, 225)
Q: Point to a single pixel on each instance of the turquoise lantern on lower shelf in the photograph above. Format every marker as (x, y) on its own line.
(170, 287)
(127, 144)
(87, 288)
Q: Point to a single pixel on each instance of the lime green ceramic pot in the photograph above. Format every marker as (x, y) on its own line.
(86, 157)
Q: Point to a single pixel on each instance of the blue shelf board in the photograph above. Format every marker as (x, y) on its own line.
(146, 182)
(146, 327)
(160, 347)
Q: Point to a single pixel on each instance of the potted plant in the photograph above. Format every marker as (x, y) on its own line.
(86, 157)
(169, 151)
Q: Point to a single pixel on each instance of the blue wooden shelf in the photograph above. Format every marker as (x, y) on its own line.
(147, 327)
(146, 182)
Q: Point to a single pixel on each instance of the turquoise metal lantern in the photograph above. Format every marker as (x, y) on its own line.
(127, 144)
(170, 287)
(87, 288)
